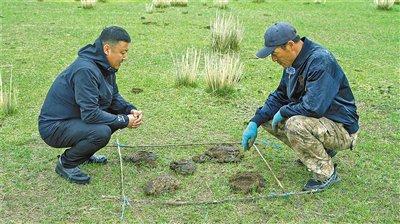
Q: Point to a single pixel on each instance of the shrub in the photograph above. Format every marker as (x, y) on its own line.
(222, 72)
(226, 34)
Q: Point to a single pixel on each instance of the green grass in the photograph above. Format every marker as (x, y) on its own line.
(41, 38)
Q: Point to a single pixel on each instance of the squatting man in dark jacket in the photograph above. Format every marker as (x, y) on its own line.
(313, 109)
(83, 107)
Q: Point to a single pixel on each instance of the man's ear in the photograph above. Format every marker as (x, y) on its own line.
(291, 44)
(107, 49)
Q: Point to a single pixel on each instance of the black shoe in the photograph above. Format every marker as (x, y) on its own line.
(322, 185)
(100, 159)
(74, 175)
(332, 153)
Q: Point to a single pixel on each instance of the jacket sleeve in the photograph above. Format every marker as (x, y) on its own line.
(119, 105)
(87, 97)
(274, 102)
(321, 89)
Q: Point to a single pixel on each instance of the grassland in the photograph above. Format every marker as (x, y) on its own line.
(39, 39)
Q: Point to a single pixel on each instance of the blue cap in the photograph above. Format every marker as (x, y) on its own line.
(275, 36)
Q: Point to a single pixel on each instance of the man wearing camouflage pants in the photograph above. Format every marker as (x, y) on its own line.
(313, 109)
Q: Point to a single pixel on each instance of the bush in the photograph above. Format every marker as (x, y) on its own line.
(226, 34)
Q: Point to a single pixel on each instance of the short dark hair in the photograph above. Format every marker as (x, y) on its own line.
(114, 34)
(296, 39)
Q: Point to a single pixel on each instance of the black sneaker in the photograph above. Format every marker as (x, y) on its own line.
(322, 185)
(100, 159)
(74, 175)
(332, 153)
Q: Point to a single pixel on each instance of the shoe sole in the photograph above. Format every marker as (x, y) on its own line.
(327, 186)
(69, 179)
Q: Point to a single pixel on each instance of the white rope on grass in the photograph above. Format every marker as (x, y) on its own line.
(269, 167)
(124, 199)
(216, 201)
(176, 145)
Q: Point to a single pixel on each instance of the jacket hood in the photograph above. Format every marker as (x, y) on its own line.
(95, 53)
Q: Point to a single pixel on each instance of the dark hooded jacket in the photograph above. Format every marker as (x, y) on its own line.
(318, 88)
(85, 90)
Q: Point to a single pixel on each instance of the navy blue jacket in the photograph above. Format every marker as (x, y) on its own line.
(318, 88)
(85, 90)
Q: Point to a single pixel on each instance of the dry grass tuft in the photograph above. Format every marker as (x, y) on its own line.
(161, 3)
(8, 98)
(226, 34)
(384, 4)
(222, 4)
(88, 4)
(180, 3)
(150, 8)
(222, 72)
(187, 68)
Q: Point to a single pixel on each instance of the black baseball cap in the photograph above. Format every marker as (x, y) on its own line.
(276, 35)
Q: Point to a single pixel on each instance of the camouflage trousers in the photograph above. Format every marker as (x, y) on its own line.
(309, 137)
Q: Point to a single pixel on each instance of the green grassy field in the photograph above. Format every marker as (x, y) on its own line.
(39, 39)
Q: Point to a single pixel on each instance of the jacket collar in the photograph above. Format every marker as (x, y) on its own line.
(304, 53)
(95, 52)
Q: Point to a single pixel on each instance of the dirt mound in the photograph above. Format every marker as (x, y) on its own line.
(184, 167)
(162, 184)
(140, 158)
(247, 182)
(220, 154)
(136, 90)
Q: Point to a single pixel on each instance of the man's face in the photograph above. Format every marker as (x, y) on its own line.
(284, 55)
(116, 53)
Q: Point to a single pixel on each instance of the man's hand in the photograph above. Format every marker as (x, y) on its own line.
(135, 119)
(137, 113)
(249, 135)
(277, 118)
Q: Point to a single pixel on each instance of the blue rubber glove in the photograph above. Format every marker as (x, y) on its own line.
(277, 118)
(249, 135)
